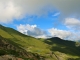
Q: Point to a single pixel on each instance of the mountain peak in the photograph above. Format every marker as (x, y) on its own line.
(55, 38)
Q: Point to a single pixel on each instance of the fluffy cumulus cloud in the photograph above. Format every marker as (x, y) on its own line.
(15, 9)
(72, 23)
(60, 33)
(64, 34)
(31, 30)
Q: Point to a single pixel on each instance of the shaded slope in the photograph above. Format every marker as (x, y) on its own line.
(62, 47)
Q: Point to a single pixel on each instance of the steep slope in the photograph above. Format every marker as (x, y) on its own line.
(22, 40)
(15, 43)
(50, 49)
(10, 51)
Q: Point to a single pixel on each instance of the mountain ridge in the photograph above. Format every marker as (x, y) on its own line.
(48, 49)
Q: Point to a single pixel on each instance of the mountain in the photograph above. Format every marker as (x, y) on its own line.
(14, 43)
(19, 46)
(8, 49)
(64, 50)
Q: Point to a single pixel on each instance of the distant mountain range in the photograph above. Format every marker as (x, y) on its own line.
(17, 46)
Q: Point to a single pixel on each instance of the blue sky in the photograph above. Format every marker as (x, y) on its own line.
(42, 18)
(43, 22)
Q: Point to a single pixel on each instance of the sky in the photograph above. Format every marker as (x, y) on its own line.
(42, 18)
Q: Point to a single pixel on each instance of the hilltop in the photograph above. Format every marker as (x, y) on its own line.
(14, 43)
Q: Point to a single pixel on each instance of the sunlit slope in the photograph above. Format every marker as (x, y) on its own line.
(27, 42)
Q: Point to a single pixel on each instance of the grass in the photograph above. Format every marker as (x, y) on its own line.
(26, 42)
(62, 48)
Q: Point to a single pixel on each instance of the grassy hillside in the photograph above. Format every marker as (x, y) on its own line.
(10, 50)
(51, 49)
(65, 50)
(24, 41)
(28, 43)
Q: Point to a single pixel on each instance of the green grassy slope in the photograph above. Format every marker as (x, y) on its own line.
(51, 49)
(26, 42)
(8, 50)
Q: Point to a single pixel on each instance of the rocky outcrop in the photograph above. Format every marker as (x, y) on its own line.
(15, 51)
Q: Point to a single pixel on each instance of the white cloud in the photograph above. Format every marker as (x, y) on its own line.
(72, 23)
(56, 14)
(64, 34)
(8, 11)
(31, 30)
(15, 9)
(60, 33)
